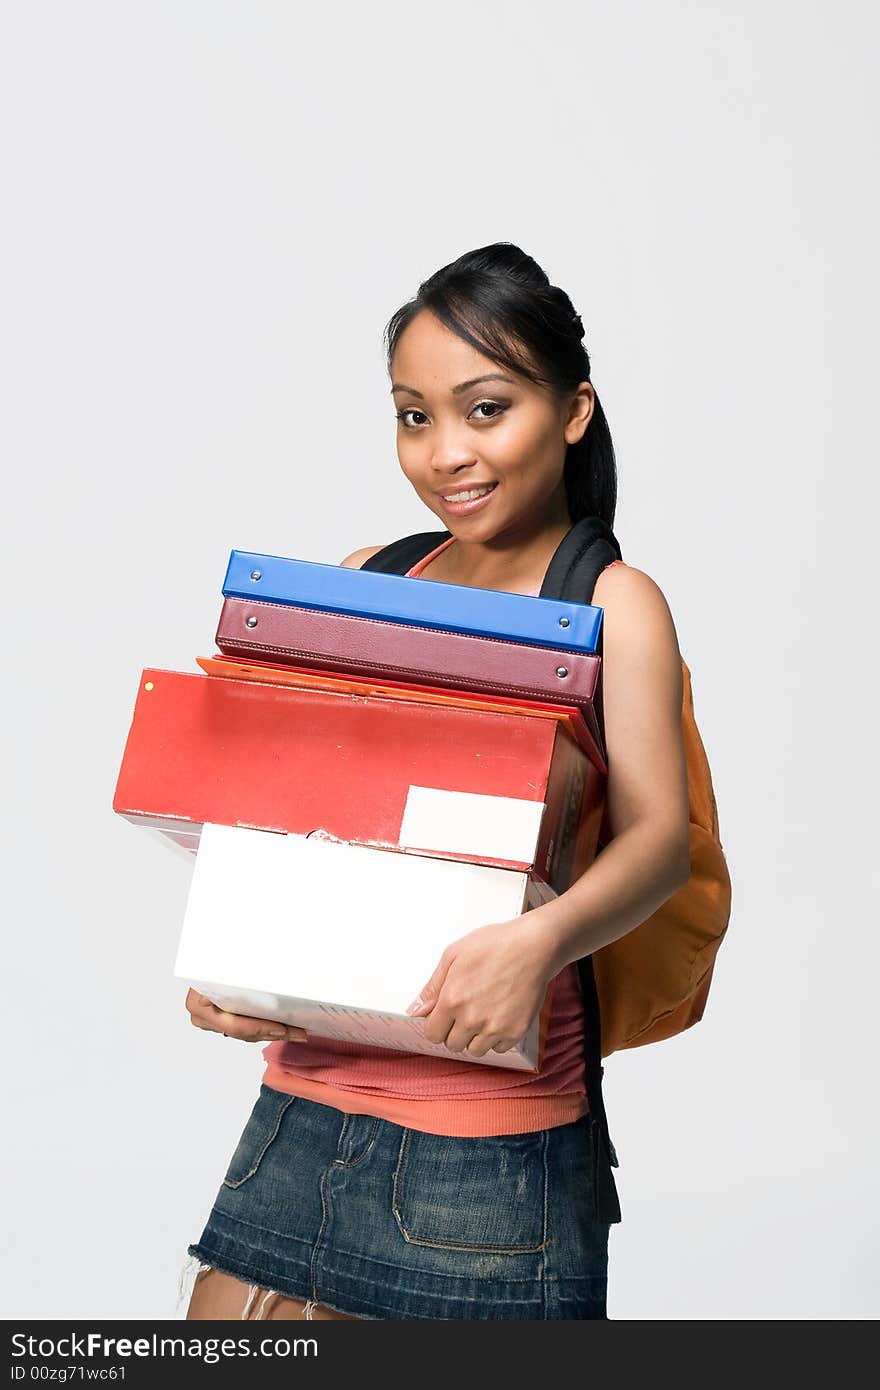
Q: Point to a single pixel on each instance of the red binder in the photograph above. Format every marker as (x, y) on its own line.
(235, 668)
(379, 772)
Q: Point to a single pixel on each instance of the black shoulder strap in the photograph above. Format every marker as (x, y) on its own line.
(400, 556)
(578, 561)
(575, 566)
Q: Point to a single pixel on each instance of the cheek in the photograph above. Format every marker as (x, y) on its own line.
(416, 474)
(410, 468)
(407, 457)
(414, 457)
(517, 447)
(522, 456)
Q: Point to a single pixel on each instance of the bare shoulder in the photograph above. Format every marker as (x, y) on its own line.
(632, 601)
(639, 640)
(357, 557)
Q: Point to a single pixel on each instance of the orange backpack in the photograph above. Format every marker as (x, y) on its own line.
(653, 982)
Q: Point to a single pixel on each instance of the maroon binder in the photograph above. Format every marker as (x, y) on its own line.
(374, 647)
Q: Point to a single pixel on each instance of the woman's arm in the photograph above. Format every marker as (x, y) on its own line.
(649, 857)
(489, 984)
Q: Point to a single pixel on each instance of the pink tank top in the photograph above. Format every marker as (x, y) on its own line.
(442, 1095)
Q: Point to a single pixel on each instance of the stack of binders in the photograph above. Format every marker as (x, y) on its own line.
(370, 766)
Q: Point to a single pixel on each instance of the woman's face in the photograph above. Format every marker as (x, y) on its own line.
(456, 434)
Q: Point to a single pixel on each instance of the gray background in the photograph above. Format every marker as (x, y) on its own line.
(211, 211)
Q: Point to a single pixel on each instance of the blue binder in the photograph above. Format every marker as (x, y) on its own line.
(395, 598)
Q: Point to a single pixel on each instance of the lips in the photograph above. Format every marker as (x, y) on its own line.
(475, 504)
(470, 487)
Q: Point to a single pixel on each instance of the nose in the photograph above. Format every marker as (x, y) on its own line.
(450, 452)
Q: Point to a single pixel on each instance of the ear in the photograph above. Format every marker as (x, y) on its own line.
(580, 412)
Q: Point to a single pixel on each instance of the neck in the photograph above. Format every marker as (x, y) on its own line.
(516, 555)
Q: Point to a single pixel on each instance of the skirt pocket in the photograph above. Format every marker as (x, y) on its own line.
(487, 1194)
(259, 1132)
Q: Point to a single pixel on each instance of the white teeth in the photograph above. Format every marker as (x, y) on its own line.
(467, 496)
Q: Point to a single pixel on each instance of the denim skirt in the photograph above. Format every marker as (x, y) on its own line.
(377, 1220)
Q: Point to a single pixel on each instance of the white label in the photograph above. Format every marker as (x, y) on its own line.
(489, 827)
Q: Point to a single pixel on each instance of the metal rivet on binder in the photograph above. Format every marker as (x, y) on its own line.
(563, 622)
(250, 622)
(256, 574)
(562, 670)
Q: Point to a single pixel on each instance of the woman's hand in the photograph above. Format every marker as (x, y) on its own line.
(204, 1014)
(487, 988)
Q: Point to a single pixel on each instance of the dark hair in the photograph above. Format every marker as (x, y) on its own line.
(500, 301)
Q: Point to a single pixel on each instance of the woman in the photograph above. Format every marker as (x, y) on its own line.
(374, 1184)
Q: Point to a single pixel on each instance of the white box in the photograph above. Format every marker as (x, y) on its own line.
(338, 938)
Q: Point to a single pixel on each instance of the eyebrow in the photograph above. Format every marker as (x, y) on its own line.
(462, 385)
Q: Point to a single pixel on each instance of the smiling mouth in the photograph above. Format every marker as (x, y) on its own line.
(469, 494)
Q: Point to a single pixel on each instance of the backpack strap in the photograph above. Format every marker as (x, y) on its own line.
(400, 556)
(575, 566)
(580, 558)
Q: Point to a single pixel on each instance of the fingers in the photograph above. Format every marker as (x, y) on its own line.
(482, 1043)
(206, 1015)
(459, 1037)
